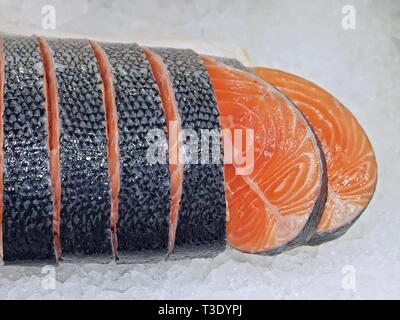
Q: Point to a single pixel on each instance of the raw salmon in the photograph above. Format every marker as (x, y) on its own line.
(351, 163)
(140, 188)
(112, 135)
(85, 190)
(51, 98)
(278, 205)
(27, 193)
(198, 208)
(76, 126)
(160, 74)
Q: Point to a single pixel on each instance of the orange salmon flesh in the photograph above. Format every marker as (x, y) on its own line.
(279, 203)
(351, 163)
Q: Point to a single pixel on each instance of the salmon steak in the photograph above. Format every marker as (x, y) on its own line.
(114, 151)
(276, 206)
(351, 163)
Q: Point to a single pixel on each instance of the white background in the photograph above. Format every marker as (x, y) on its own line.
(361, 67)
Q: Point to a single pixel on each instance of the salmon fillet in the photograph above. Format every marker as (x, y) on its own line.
(351, 162)
(278, 205)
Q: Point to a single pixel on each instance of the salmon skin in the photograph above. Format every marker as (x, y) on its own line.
(27, 212)
(142, 229)
(232, 62)
(351, 162)
(201, 221)
(85, 190)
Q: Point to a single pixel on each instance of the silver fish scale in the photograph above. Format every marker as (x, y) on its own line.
(27, 212)
(85, 190)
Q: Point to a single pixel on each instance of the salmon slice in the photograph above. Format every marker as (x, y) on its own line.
(198, 208)
(139, 182)
(51, 101)
(85, 188)
(175, 146)
(112, 138)
(27, 193)
(278, 205)
(1, 143)
(351, 162)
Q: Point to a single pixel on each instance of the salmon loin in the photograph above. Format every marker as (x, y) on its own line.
(198, 228)
(278, 204)
(85, 190)
(142, 219)
(27, 222)
(351, 163)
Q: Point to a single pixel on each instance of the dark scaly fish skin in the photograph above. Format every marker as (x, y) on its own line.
(85, 191)
(27, 215)
(232, 62)
(307, 236)
(144, 197)
(322, 237)
(201, 229)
